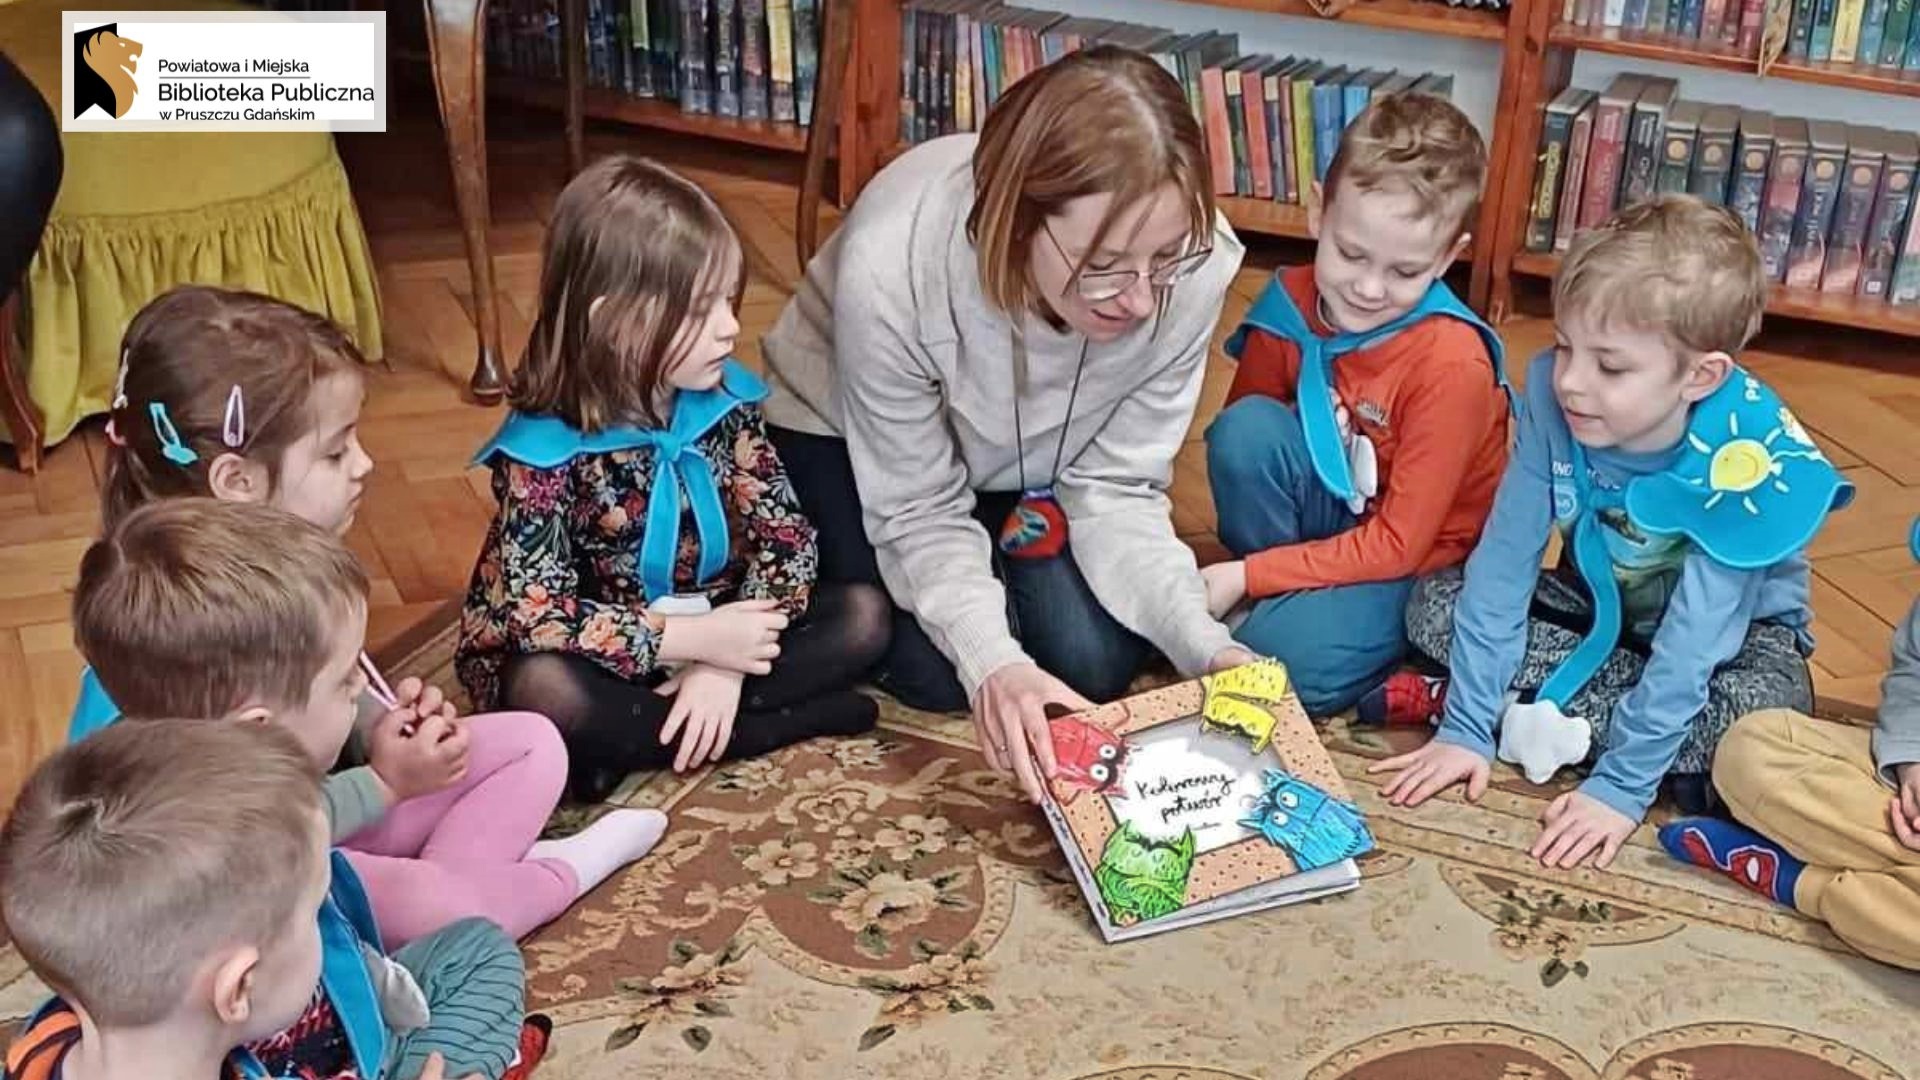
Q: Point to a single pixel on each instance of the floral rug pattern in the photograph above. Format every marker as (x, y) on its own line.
(887, 907)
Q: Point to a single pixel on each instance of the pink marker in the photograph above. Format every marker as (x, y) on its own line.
(381, 691)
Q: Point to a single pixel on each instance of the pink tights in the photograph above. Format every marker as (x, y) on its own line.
(462, 852)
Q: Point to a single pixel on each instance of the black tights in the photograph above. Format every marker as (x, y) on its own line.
(612, 726)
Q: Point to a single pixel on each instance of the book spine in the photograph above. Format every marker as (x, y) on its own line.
(1711, 166)
(1711, 20)
(1906, 275)
(963, 119)
(1753, 18)
(1690, 18)
(726, 84)
(1353, 102)
(1810, 231)
(1567, 217)
(1213, 93)
(1303, 136)
(640, 40)
(1276, 139)
(1800, 29)
(696, 87)
(753, 59)
(1643, 156)
(1238, 131)
(948, 72)
(1259, 160)
(1781, 208)
(1547, 180)
(1676, 162)
(1603, 164)
(1912, 61)
(1291, 152)
(780, 61)
(1873, 30)
(977, 59)
(1750, 184)
(806, 56)
(1846, 30)
(1882, 243)
(1893, 43)
(1327, 114)
(1613, 12)
(1841, 274)
(1820, 43)
(1657, 16)
(909, 89)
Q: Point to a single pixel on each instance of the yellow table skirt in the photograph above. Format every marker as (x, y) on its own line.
(301, 242)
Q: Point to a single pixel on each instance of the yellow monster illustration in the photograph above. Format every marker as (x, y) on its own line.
(1240, 700)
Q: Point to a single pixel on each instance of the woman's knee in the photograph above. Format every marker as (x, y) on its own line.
(869, 623)
(1098, 663)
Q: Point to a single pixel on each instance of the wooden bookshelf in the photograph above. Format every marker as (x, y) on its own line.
(1545, 49)
(1411, 16)
(1265, 216)
(1670, 50)
(605, 104)
(1840, 308)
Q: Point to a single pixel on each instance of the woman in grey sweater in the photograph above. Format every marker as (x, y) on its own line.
(981, 385)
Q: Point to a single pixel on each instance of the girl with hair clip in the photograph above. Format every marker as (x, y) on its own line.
(245, 398)
(649, 581)
(983, 382)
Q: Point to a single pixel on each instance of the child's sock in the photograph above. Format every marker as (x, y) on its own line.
(536, 1034)
(615, 839)
(1406, 697)
(1736, 851)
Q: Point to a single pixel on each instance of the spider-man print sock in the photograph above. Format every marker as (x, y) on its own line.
(1736, 851)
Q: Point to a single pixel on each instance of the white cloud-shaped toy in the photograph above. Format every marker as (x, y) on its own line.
(1539, 738)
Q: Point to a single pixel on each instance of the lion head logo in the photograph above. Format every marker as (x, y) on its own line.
(103, 64)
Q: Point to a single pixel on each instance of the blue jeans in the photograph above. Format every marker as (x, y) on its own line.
(1336, 642)
(1049, 606)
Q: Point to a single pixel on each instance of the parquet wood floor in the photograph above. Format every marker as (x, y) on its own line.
(426, 510)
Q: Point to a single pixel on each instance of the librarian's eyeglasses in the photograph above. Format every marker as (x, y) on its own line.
(1099, 286)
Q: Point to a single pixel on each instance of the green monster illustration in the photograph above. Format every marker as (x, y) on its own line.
(1141, 878)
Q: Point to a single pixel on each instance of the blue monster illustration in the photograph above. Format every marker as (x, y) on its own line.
(1315, 828)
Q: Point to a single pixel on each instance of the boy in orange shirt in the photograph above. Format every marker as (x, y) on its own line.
(1366, 428)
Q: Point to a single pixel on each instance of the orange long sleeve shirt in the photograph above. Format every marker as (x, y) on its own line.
(1438, 420)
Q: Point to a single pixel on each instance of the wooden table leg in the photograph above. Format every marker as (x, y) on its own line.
(23, 418)
(456, 33)
(573, 37)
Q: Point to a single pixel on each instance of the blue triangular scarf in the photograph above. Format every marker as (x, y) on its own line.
(544, 442)
(1748, 488)
(1277, 314)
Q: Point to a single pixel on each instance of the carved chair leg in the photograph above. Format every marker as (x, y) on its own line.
(456, 31)
(16, 404)
(836, 48)
(573, 35)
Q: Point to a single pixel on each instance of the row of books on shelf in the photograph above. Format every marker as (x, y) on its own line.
(1872, 33)
(1272, 124)
(1831, 203)
(747, 59)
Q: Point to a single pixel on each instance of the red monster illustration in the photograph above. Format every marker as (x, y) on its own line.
(1090, 757)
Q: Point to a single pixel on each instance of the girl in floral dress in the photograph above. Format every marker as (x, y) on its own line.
(649, 582)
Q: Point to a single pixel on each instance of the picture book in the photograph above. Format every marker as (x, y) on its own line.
(1200, 801)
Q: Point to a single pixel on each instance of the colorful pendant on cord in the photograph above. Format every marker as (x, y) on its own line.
(1037, 527)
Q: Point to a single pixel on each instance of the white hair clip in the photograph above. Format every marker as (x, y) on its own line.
(120, 384)
(233, 429)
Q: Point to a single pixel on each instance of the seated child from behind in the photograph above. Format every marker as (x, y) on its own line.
(164, 881)
(1367, 423)
(1689, 580)
(202, 607)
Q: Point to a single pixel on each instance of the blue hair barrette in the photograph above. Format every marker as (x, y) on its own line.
(171, 447)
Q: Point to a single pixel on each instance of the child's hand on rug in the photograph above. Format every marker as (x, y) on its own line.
(705, 701)
(1904, 811)
(436, 1069)
(416, 756)
(743, 636)
(1433, 768)
(1226, 586)
(1579, 825)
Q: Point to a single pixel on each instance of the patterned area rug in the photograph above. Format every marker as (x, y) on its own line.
(888, 907)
